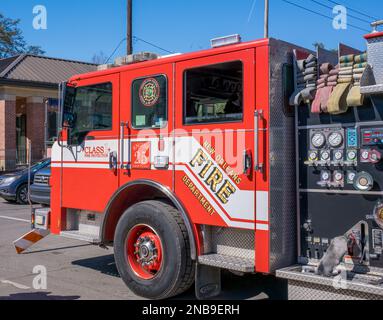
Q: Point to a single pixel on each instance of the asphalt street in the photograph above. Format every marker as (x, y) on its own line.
(77, 270)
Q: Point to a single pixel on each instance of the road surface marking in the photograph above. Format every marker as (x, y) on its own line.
(15, 219)
(15, 284)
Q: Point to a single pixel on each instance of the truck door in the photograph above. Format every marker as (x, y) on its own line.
(90, 169)
(146, 109)
(214, 147)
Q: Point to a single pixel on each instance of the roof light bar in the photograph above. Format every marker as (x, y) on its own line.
(225, 41)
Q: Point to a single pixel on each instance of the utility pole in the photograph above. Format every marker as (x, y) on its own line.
(129, 36)
(266, 29)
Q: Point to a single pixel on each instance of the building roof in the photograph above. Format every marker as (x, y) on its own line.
(40, 70)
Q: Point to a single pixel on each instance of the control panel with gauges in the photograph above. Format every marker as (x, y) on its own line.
(340, 184)
(340, 157)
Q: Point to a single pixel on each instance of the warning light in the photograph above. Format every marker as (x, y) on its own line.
(225, 41)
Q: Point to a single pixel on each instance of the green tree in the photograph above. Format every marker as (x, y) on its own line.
(12, 40)
(317, 45)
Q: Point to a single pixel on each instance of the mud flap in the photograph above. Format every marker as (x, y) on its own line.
(207, 282)
(29, 239)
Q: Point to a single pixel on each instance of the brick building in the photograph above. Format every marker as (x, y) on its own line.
(28, 105)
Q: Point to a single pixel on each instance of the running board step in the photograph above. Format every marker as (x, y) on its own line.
(76, 235)
(227, 262)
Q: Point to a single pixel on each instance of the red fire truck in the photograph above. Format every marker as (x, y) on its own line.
(186, 165)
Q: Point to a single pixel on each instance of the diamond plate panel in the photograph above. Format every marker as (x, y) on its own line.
(308, 286)
(283, 235)
(374, 51)
(230, 242)
(307, 291)
(227, 262)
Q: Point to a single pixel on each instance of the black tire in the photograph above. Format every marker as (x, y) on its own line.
(177, 272)
(22, 194)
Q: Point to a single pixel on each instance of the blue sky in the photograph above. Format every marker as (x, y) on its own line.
(79, 29)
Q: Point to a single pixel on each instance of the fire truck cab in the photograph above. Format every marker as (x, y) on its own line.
(188, 164)
(169, 160)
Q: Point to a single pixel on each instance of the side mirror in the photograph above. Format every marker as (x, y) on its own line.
(69, 120)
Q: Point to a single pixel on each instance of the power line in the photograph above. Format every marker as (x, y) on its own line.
(153, 45)
(136, 39)
(322, 15)
(354, 10)
(352, 16)
(115, 50)
(251, 11)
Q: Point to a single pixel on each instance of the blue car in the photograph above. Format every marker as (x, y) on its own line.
(14, 186)
(40, 191)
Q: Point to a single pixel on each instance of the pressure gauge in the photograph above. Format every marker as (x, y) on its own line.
(351, 155)
(338, 176)
(335, 139)
(313, 155)
(365, 155)
(325, 156)
(351, 177)
(338, 155)
(325, 175)
(318, 140)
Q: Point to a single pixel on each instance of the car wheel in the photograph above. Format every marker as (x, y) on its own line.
(22, 194)
(152, 251)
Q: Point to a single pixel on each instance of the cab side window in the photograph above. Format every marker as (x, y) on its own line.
(214, 93)
(93, 108)
(149, 102)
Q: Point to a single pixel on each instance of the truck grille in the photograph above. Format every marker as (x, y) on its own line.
(40, 179)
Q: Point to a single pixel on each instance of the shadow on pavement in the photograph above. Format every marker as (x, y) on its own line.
(58, 249)
(38, 296)
(104, 264)
(248, 287)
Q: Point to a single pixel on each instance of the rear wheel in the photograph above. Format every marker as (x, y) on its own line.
(152, 251)
(22, 194)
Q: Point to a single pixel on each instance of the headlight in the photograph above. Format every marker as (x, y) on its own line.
(10, 180)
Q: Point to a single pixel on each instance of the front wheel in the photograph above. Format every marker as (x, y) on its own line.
(22, 194)
(152, 251)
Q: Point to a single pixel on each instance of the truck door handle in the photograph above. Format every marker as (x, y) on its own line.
(113, 161)
(247, 162)
(257, 116)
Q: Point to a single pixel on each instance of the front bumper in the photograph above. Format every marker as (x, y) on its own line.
(40, 194)
(7, 193)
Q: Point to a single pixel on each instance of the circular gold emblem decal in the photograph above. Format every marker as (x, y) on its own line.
(149, 92)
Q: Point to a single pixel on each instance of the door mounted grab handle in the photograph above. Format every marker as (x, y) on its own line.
(258, 115)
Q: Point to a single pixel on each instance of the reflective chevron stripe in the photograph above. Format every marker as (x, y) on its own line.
(29, 239)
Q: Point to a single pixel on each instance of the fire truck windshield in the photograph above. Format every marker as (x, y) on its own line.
(87, 109)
